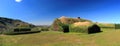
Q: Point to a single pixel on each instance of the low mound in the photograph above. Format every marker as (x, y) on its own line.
(67, 20)
(63, 19)
(74, 25)
(60, 22)
(82, 23)
(84, 27)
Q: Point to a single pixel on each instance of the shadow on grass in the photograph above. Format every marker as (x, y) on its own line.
(95, 32)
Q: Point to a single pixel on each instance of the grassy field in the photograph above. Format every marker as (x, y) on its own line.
(109, 37)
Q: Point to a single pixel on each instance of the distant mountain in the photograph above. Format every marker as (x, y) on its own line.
(8, 23)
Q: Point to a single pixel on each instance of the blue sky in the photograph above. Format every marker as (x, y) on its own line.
(43, 12)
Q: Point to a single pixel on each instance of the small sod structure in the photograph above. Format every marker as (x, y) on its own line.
(78, 24)
(84, 27)
(65, 28)
(22, 29)
(117, 26)
(94, 29)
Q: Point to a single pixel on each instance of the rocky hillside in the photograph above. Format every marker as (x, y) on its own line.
(8, 23)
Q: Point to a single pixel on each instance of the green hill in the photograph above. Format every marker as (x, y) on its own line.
(6, 24)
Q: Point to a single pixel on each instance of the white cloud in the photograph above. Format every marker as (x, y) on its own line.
(18, 1)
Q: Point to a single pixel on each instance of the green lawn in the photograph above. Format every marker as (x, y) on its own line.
(109, 37)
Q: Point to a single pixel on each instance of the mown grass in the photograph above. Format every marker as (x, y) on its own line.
(109, 37)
